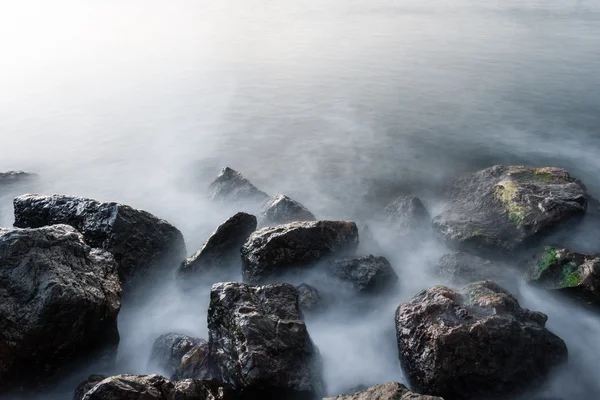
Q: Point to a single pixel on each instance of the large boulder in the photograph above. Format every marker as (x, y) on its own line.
(275, 250)
(258, 341)
(231, 186)
(386, 391)
(476, 343)
(87, 385)
(281, 209)
(368, 274)
(407, 216)
(222, 249)
(574, 274)
(59, 301)
(501, 208)
(168, 351)
(156, 387)
(137, 239)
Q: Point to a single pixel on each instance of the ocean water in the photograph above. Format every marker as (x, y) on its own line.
(341, 105)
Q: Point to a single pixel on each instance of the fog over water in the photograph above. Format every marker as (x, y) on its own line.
(340, 104)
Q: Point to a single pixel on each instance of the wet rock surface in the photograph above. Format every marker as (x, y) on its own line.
(87, 385)
(137, 239)
(574, 274)
(259, 344)
(222, 249)
(269, 252)
(501, 208)
(59, 301)
(232, 187)
(408, 216)
(386, 391)
(308, 297)
(476, 343)
(368, 274)
(281, 209)
(168, 351)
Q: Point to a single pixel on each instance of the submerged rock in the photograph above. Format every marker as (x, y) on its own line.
(12, 177)
(407, 216)
(386, 391)
(282, 210)
(367, 274)
(259, 343)
(231, 186)
(222, 249)
(137, 239)
(501, 208)
(272, 251)
(169, 350)
(308, 297)
(87, 385)
(59, 302)
(574, 274)
(460, 268)
(476, 343)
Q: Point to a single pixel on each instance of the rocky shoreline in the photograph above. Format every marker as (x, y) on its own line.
(67, 260)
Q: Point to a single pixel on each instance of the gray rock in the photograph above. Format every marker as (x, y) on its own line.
(232, 187)
(386, 391)
(460, 268)
(407, 216)
(368, 274)
(222, 249)
(194, 363)
(308, 297)
(87, 385)
(501, 208)
(169, 350)
(281, 209)
(59, 302)
(137, 239)
(259, 343)
(476, 343)
(269, 252)
(12, 177)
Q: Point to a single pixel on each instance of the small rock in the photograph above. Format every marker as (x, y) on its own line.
(272, 251)
(231, 186)
(476, 343)
(87, 385)
(59, 302)
(194, 364)
(367, 274)
(137, 239)
(407, 216)
(460, 268)
(281, 209)
(259, 343)
(499, 209)
(386, 391)
(11, 177)
(168, 351)
(222, 249)
(308, 297)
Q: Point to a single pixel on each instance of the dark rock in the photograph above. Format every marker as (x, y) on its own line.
(231, 186)
(137, 239)
(87, 385)
(281, 209)
(222, 249)
(272, 251)
(168, 351)
(259, 343)
(308, 297)
(194, 389)
(367, 274)
(194, 363)
(460, 268)
(501, 208)
(407, 216)
(476, 343)
(574, 274)
(59, 302)
(386, 391)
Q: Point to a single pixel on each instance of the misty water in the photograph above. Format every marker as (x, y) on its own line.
(340, 104)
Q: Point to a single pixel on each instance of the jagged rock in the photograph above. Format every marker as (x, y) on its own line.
(386, 391)
(574, 274)
(231, 186)
(476, 343)
(407, 216)
(308, 297)
(87, 385)
(137, 239)
(156, 387)
(367, 274)
(222, 249)
(59, 302)
(460, 268)
(501, 208)
(272, 251)
(281, 209)
(169, 350)
(194, 364)
(259, 343)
